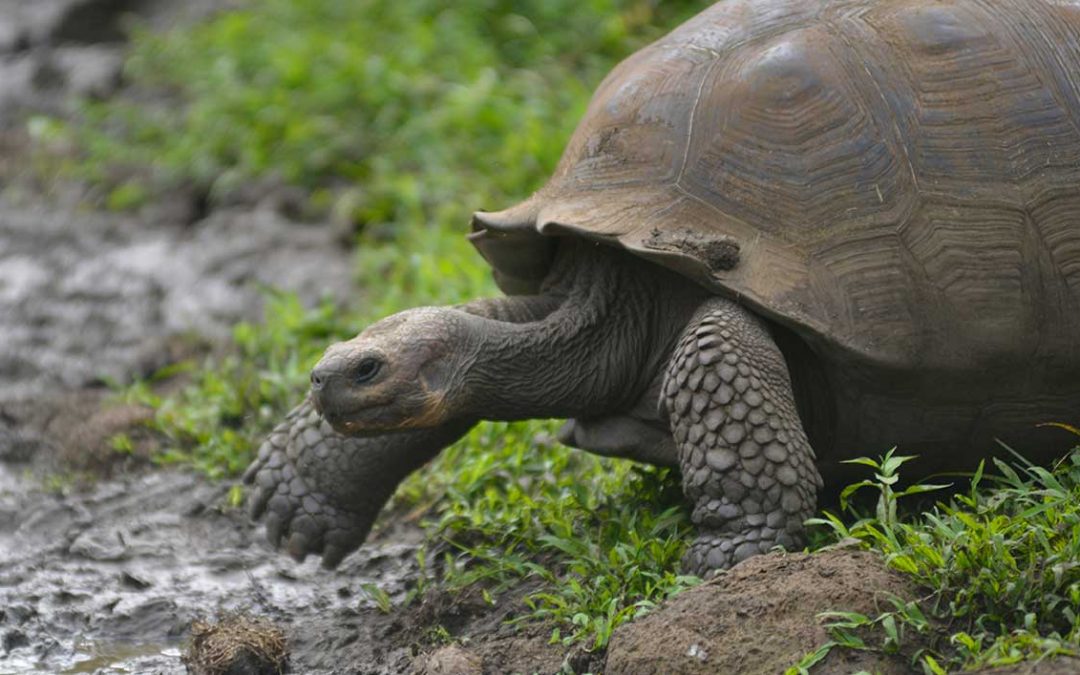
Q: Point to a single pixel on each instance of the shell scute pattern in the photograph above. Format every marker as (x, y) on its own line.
(896, 177)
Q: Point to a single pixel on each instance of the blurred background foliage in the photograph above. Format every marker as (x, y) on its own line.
(397, 112)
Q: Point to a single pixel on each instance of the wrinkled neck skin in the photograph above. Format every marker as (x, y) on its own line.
(606, 324)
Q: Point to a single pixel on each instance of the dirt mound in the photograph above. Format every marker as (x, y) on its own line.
(761, 617)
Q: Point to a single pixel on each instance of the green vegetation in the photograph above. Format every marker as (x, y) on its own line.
(604, 536)
(216, 422)
(392, 113)
(401, 118)
(1000, 563)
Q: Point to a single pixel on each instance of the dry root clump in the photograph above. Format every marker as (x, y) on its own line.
(236, 645)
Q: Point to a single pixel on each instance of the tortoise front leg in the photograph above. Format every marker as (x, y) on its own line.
(320, 491)
(747, 466)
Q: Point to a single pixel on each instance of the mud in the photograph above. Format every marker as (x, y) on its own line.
(110, 580)
(762, 618)
(719, 254)
(88, 300)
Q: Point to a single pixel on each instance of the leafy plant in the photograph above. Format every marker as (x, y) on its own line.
(603, 537)
(1001, 565)
(885, 522)
(378, 596)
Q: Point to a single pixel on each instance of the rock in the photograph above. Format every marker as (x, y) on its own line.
(90, 21)
(11, 38)
(450, 660)
(18, 447)
(760, 617)
(99, 545)
(17, 86)
(27, 22)
(13, 639)
(54, 51)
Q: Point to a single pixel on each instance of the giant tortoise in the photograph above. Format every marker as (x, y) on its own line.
(789, 233)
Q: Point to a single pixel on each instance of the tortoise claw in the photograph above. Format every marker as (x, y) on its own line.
(320, 491)
(284, 475)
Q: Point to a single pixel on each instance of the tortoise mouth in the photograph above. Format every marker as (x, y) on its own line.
(375, 419)
(343, 421)
(353, 412)
(343, 425)
(355, 422)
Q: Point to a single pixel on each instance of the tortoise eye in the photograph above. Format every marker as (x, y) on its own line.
(366, 370)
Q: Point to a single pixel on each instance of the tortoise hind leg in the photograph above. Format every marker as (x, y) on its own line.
(747, 466)
(620, 436)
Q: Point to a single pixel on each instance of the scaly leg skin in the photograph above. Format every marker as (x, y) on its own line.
(747, 466)
(321, 491)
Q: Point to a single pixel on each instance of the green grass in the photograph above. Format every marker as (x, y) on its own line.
(1000, 564)
(603, 536)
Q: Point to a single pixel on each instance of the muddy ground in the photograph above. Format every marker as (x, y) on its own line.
(107, 577)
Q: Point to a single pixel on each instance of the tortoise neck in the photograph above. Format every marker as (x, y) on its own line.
(612, 325)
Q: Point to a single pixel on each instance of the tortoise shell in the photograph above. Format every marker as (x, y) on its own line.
(895, 179)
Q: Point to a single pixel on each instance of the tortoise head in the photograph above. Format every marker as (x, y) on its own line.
(395, 375)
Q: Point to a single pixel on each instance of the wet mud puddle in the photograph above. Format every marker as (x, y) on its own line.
(109, 581)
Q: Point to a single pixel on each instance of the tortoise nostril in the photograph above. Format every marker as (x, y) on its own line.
(317, 380)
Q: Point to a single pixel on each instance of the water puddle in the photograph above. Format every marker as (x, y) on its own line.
(100, 658)
(109, 580)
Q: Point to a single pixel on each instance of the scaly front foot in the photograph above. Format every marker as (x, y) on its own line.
(320, 491)
(746, 463)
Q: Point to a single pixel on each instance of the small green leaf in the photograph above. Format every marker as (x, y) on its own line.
(931, 666)
(235, 496)
(810, 660)
(861, 460)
